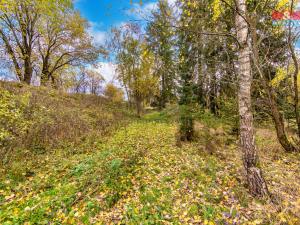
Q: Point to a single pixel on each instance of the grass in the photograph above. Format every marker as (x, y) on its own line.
(139, 176)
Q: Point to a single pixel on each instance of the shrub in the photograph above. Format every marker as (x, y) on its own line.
(186, 120)
(114, 93)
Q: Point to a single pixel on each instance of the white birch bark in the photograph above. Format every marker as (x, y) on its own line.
(256, 183)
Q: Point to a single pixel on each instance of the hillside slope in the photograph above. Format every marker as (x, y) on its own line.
(36, 120)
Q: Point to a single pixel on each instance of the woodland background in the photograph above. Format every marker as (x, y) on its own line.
(203, 129)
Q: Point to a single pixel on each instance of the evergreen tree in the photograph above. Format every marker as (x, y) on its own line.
(186, 67)
(160, 37)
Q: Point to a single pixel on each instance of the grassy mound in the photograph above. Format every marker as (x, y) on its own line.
(37, 120)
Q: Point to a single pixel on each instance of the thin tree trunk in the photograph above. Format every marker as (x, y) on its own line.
(138, 104)
(296, 89)
(163, 93)
(280, 129)
(200, 81)
(295, 74)
(12, 55)
(138, 107)
(276, 115)
(208, 88)
(256, 183)
(213, 90)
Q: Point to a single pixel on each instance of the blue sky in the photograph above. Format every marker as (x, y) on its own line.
(104, 14)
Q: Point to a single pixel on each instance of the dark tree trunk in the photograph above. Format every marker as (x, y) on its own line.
(163, 94)
(186, 126)
(27, 71)
(45, 76)
(200, 84)
(138, 104)
(296, 100)
(213, 92)
(279, 124)
(296, 73)
(276, 115)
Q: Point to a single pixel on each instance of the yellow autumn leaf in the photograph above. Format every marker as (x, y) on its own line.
(282, 4)
(280, 76)
(217, 10)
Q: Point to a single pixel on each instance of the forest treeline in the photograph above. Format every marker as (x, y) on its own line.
(218, 55)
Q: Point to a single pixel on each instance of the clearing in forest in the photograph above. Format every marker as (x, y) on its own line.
(139, 176)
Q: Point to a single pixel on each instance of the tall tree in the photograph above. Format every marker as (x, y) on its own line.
(64, 41)
(113, 93)
(256, 182)
(44, 37)
(19, 32)
(160, 37)
(269, 52)
(95, 81)
(292, 38)
(186, 66)
(135, 66)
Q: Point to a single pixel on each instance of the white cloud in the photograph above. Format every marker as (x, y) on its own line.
(99, 36)
(172, 2)
(149, 7)
(137, 11)
(142, 11)
(108, 71)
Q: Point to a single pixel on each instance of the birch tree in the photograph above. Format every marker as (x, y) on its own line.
(256, 183)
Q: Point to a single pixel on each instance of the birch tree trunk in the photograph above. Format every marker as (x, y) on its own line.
(256, 183)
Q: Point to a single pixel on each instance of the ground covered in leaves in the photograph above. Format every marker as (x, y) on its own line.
(140, 176)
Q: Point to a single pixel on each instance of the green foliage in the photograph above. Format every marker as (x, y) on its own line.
(217, 9)
(167, 115)
(135, 67)
(114, 173)
(186, 123)
(160, 38)
(281, 74)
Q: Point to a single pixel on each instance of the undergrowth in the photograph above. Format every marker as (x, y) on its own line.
(137, 175)
(36, 120)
